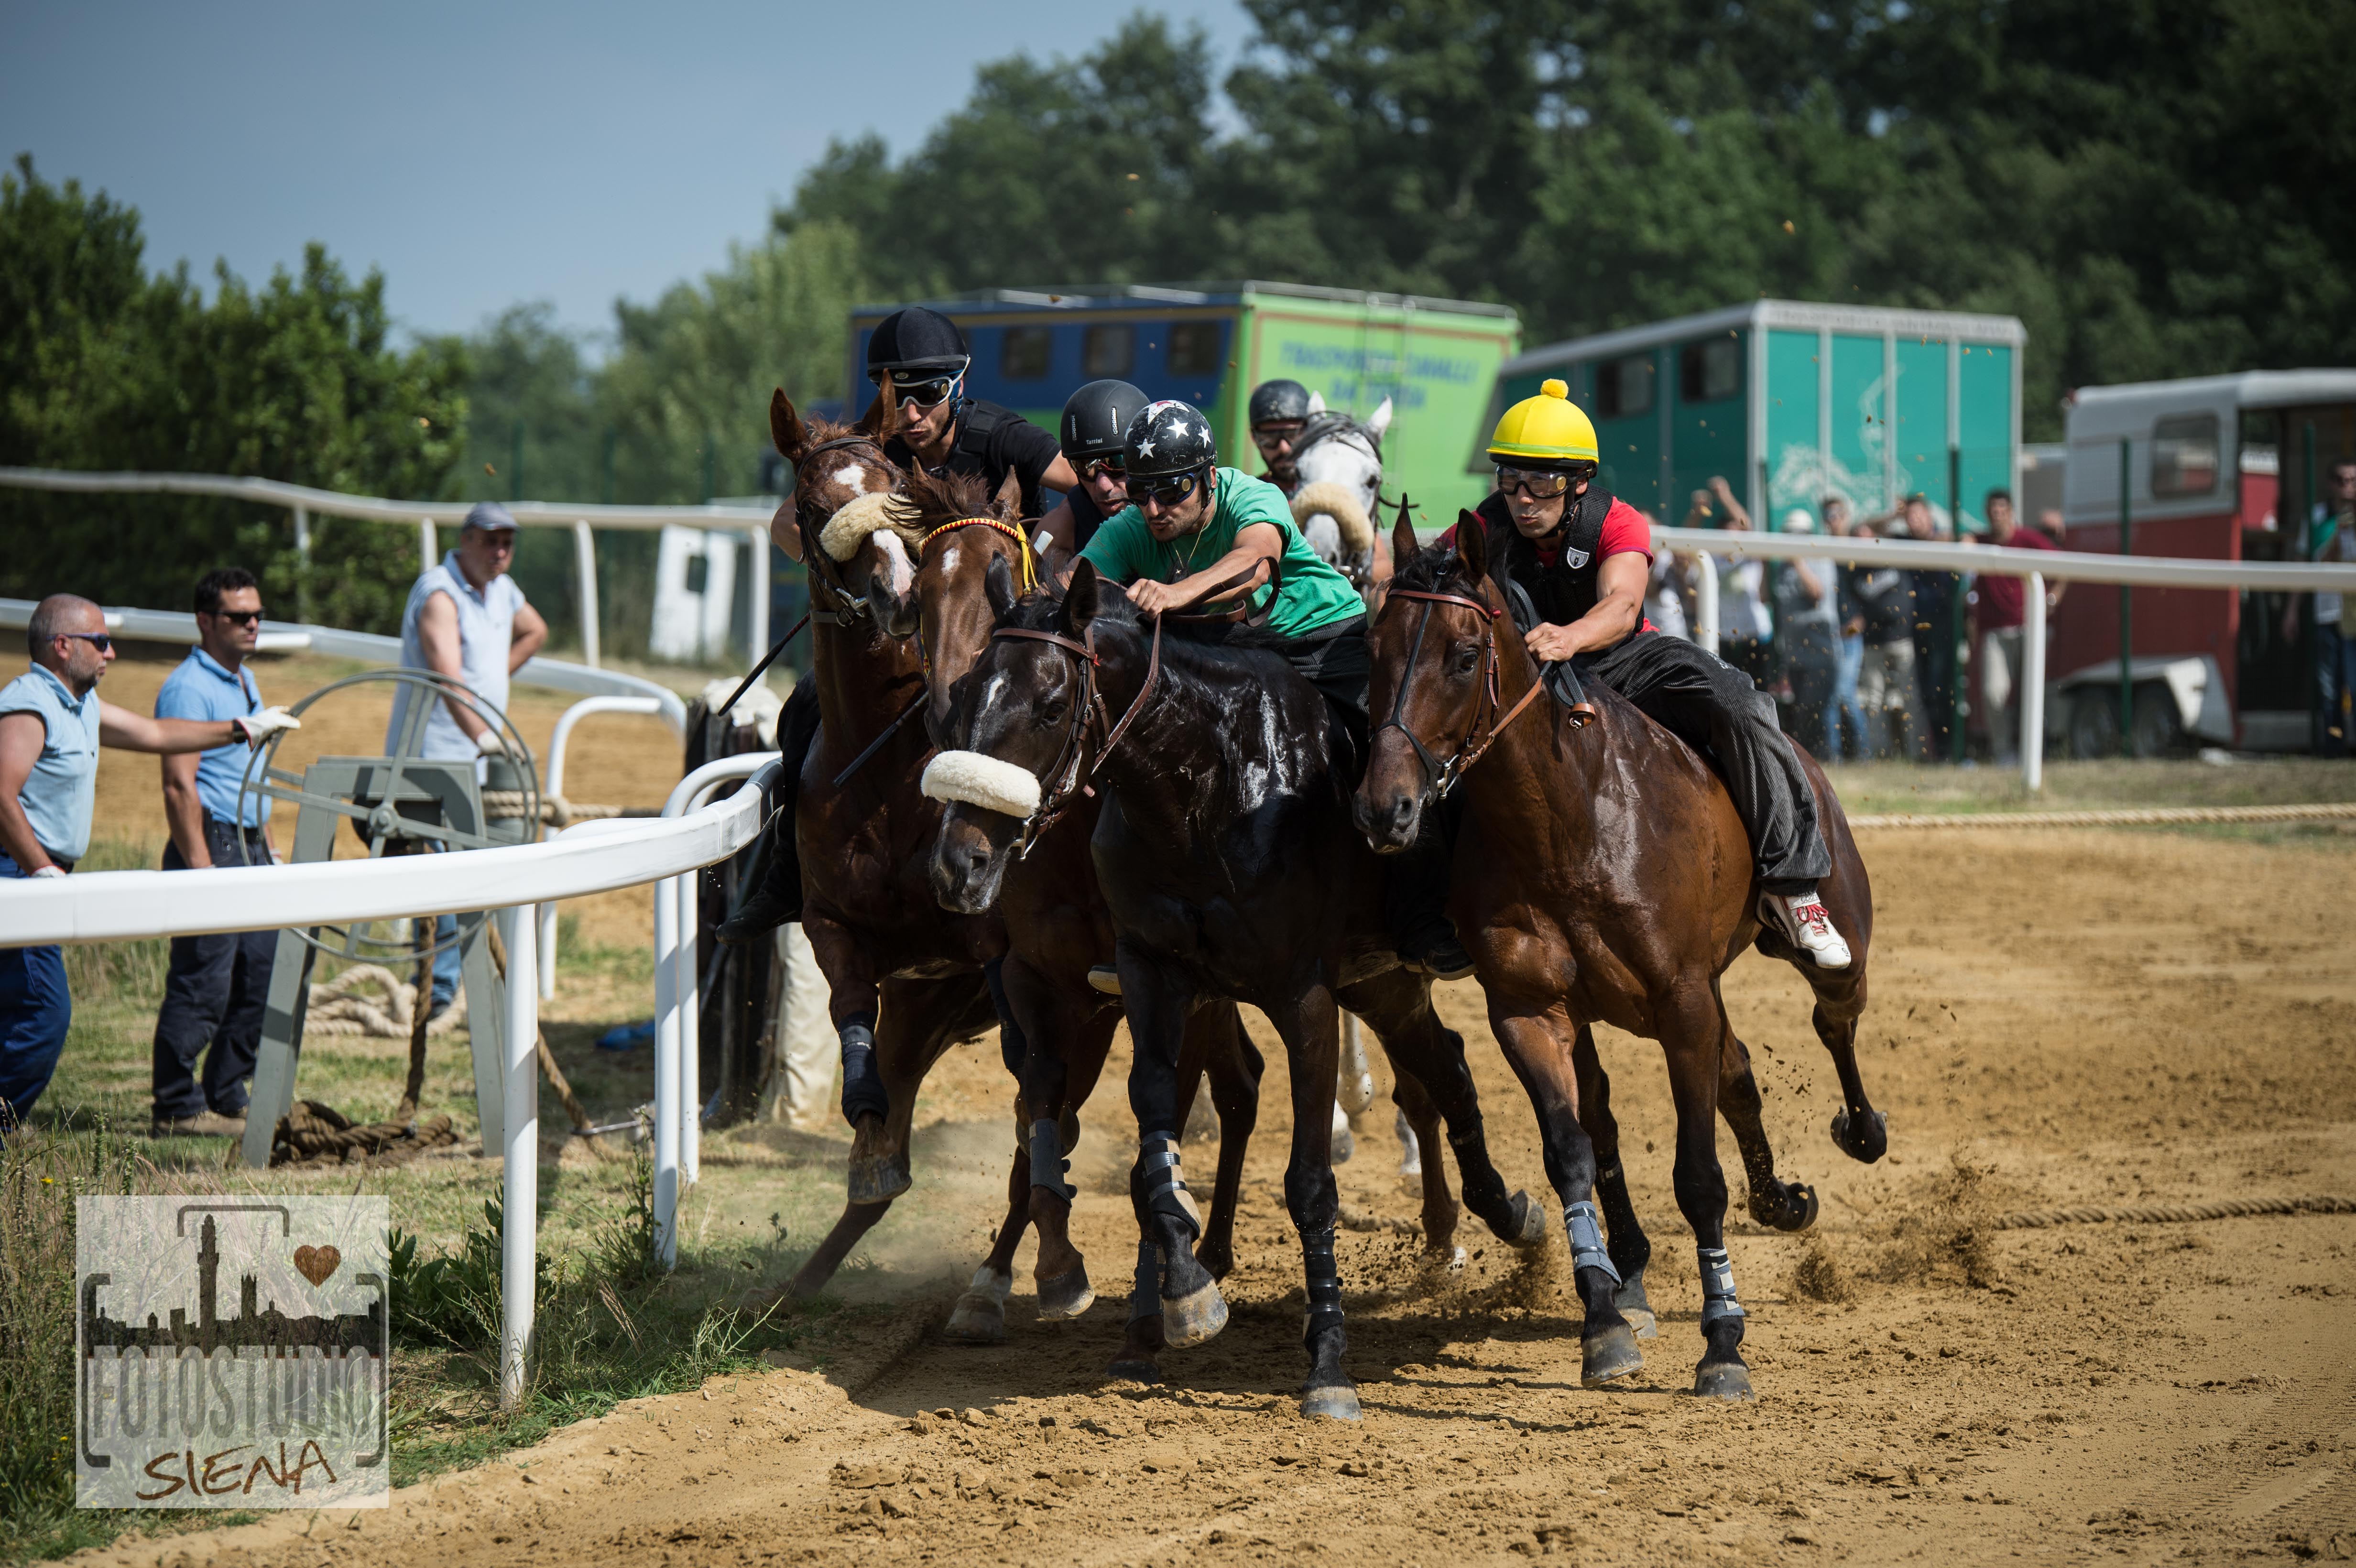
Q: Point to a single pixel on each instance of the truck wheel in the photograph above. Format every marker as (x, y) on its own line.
(2093, 723)
(2159, 727)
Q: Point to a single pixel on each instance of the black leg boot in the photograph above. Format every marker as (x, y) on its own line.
(777, 896)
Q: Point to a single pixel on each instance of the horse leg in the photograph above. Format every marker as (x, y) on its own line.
(1396, 1005)
(1421, 1118)
(1310, 1026)
(979, 1316)
(1778, 1205)
(1158, 999)
(1233, 1065)
(1691, 1040)
(1068, 1033)
(1535, 1047)
(1862, 1131)
(854, 1001)
(1630, 1248)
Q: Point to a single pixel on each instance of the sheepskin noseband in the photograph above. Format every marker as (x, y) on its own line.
(981, 781)
(1338, 502)
(863, 515)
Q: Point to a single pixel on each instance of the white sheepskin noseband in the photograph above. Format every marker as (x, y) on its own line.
(1340, 503)
(981, 781)
(861, 516)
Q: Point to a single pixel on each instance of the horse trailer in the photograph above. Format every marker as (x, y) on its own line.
(1210, 344)
(2217, 468)
(1791, 403)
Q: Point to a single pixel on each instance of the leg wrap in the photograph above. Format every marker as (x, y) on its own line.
(863, 1085)
(1717, 1287)
(1324, 1280)
(1162, 1183)
(1011, 1044)
(1145, 1296)
(1047, 1162)
(1586, 1233)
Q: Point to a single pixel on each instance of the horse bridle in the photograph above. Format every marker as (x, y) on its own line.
(1441, 775)
(847, 607)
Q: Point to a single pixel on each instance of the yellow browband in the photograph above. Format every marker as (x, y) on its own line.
(1030, 572)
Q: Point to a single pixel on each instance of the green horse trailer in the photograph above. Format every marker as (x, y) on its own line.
(1791, 403)
(1210, 344)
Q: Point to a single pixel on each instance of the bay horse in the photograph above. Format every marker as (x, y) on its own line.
(1225, 853)
(1601, 875)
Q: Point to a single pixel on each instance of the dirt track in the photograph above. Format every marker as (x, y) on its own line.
(2107, 1018)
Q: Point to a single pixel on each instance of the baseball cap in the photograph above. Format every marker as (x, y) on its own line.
(489, 515)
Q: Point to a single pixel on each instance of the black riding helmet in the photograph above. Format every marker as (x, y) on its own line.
(1167, 439)
(917, 344)
(1272, 401)
(1095, 418)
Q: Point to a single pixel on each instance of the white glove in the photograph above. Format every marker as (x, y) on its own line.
(259, 727)
(49, 871)
(491, 743)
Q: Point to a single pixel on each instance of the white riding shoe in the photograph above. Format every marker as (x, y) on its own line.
(1808, 925)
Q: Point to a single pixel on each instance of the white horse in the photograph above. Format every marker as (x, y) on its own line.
(1340, 459)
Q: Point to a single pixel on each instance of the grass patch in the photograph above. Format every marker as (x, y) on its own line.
(1874, 788)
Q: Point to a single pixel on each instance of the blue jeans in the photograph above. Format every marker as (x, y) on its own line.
(2335, 680)
(1848, 709)
(445, 963)
(36, 1010)
(213, 1000)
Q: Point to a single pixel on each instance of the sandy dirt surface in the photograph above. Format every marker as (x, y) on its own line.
(2081, 1018)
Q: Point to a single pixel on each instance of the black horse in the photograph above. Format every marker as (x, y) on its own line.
(1226, 850)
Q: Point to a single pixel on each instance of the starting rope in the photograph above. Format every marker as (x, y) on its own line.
(2154, 816)
(2173, 1214)
(506, 805)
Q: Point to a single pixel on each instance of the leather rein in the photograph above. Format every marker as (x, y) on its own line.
(1474, 742)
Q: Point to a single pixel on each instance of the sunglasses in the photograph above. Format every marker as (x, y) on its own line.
(237, 617)
(1163, 492)
(1275, 435)
(1540, 485)
(1095, 466)
(101, 641)
(925, 394)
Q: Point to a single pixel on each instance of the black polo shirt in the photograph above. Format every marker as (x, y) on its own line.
(991, 442)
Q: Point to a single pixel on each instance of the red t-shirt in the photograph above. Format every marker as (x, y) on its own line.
(1625, 528)
(2002, 606)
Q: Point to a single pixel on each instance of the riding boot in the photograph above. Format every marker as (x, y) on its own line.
(1415, 898)
(777, 898)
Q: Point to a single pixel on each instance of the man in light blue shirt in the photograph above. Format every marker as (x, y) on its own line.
(52, 722)
(468, 620)
(214, 992)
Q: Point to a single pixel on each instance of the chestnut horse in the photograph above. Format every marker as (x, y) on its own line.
(1601, 874)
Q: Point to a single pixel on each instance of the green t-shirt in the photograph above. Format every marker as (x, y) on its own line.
(1311, 595)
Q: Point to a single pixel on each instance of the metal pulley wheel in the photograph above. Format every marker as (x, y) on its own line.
(381, 787)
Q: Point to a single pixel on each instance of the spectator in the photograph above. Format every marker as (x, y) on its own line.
(214, 991)
(1665, 603)
(1885, 682)
(468, 620)
(1745, 630)
(1807, 606)
(2000, 613)
(2330, 535)
(1847, 717)
(1934, 634)
(52, 722)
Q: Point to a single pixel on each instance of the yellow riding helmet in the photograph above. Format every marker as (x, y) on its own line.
(1544, 430)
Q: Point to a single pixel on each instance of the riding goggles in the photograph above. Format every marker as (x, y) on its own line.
(1268, 437)
(1095, 466)
(1539, 483)
(924, 392)
(1161, 492)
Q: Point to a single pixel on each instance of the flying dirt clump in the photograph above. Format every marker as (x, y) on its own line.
(1938, 1233)
(1819, 1275)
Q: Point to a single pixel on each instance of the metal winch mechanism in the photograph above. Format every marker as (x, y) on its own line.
(403, 804)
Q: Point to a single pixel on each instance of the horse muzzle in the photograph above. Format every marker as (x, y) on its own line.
(1389, 818)
(968, 868)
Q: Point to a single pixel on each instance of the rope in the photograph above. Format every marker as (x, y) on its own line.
(506, 805)
(344, 1006)
(2173, 1214)
(314, 1134)
(2153, 817)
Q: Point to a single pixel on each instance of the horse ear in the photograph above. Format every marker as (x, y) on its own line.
(786, 427)
(1473, 545)
(882, 420)
(997, 584)
(1009, 499)
(1403, 540)
(1080, 598)
(1382, 420)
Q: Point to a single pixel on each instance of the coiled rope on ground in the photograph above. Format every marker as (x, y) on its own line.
(2148, 817)
(506, 804)
(2172, 1213)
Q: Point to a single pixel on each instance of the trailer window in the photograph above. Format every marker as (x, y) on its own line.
(2184, 455)
(1623, 388)
(1022, 356)
(1108, 351)
(1195, 348)
(1709, 370)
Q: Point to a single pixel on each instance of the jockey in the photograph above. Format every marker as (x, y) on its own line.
(1096, 417)
(1585, 560)
(1279, 412)
(1192, 525)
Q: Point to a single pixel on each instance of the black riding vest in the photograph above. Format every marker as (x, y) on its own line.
(1564, 592)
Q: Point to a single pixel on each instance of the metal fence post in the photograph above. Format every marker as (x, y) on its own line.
(585, 560)
(426, 545)
(2032, 685)
(758, 628)
(1958, 744)
(520, 1238)
(666, 1193)
(302, 565)
(2126, 601)
(1706, 601)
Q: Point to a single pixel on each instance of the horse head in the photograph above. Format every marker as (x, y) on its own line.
(1340, 461)
(835, 468)
(1433, 648)
(954, 532)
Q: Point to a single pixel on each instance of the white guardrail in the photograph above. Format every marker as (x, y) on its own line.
(304, 502)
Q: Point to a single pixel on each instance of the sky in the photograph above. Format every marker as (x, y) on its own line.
(489, 155)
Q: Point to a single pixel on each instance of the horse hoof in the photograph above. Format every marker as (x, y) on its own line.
(1781, 1207)
(975, 1319)
(1530, 1222)
(1723, 1380)
(1194, 1318)
(1068, 1129)
(1802, 1211)
(1337, 1403)
(878, 1179)
(1864, 1140)
(1609, 1356)
(1636, 1308)
(1135, 1369)
(1345, 1143)
(1066, 1295)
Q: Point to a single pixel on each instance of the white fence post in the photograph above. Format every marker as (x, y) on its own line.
(301, 564)
(521, 1178)
(689, 988)
(666, 1193)
(426, 545)
(1706, 602)
(584, 559)
(2032, 685)
(759, 629)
